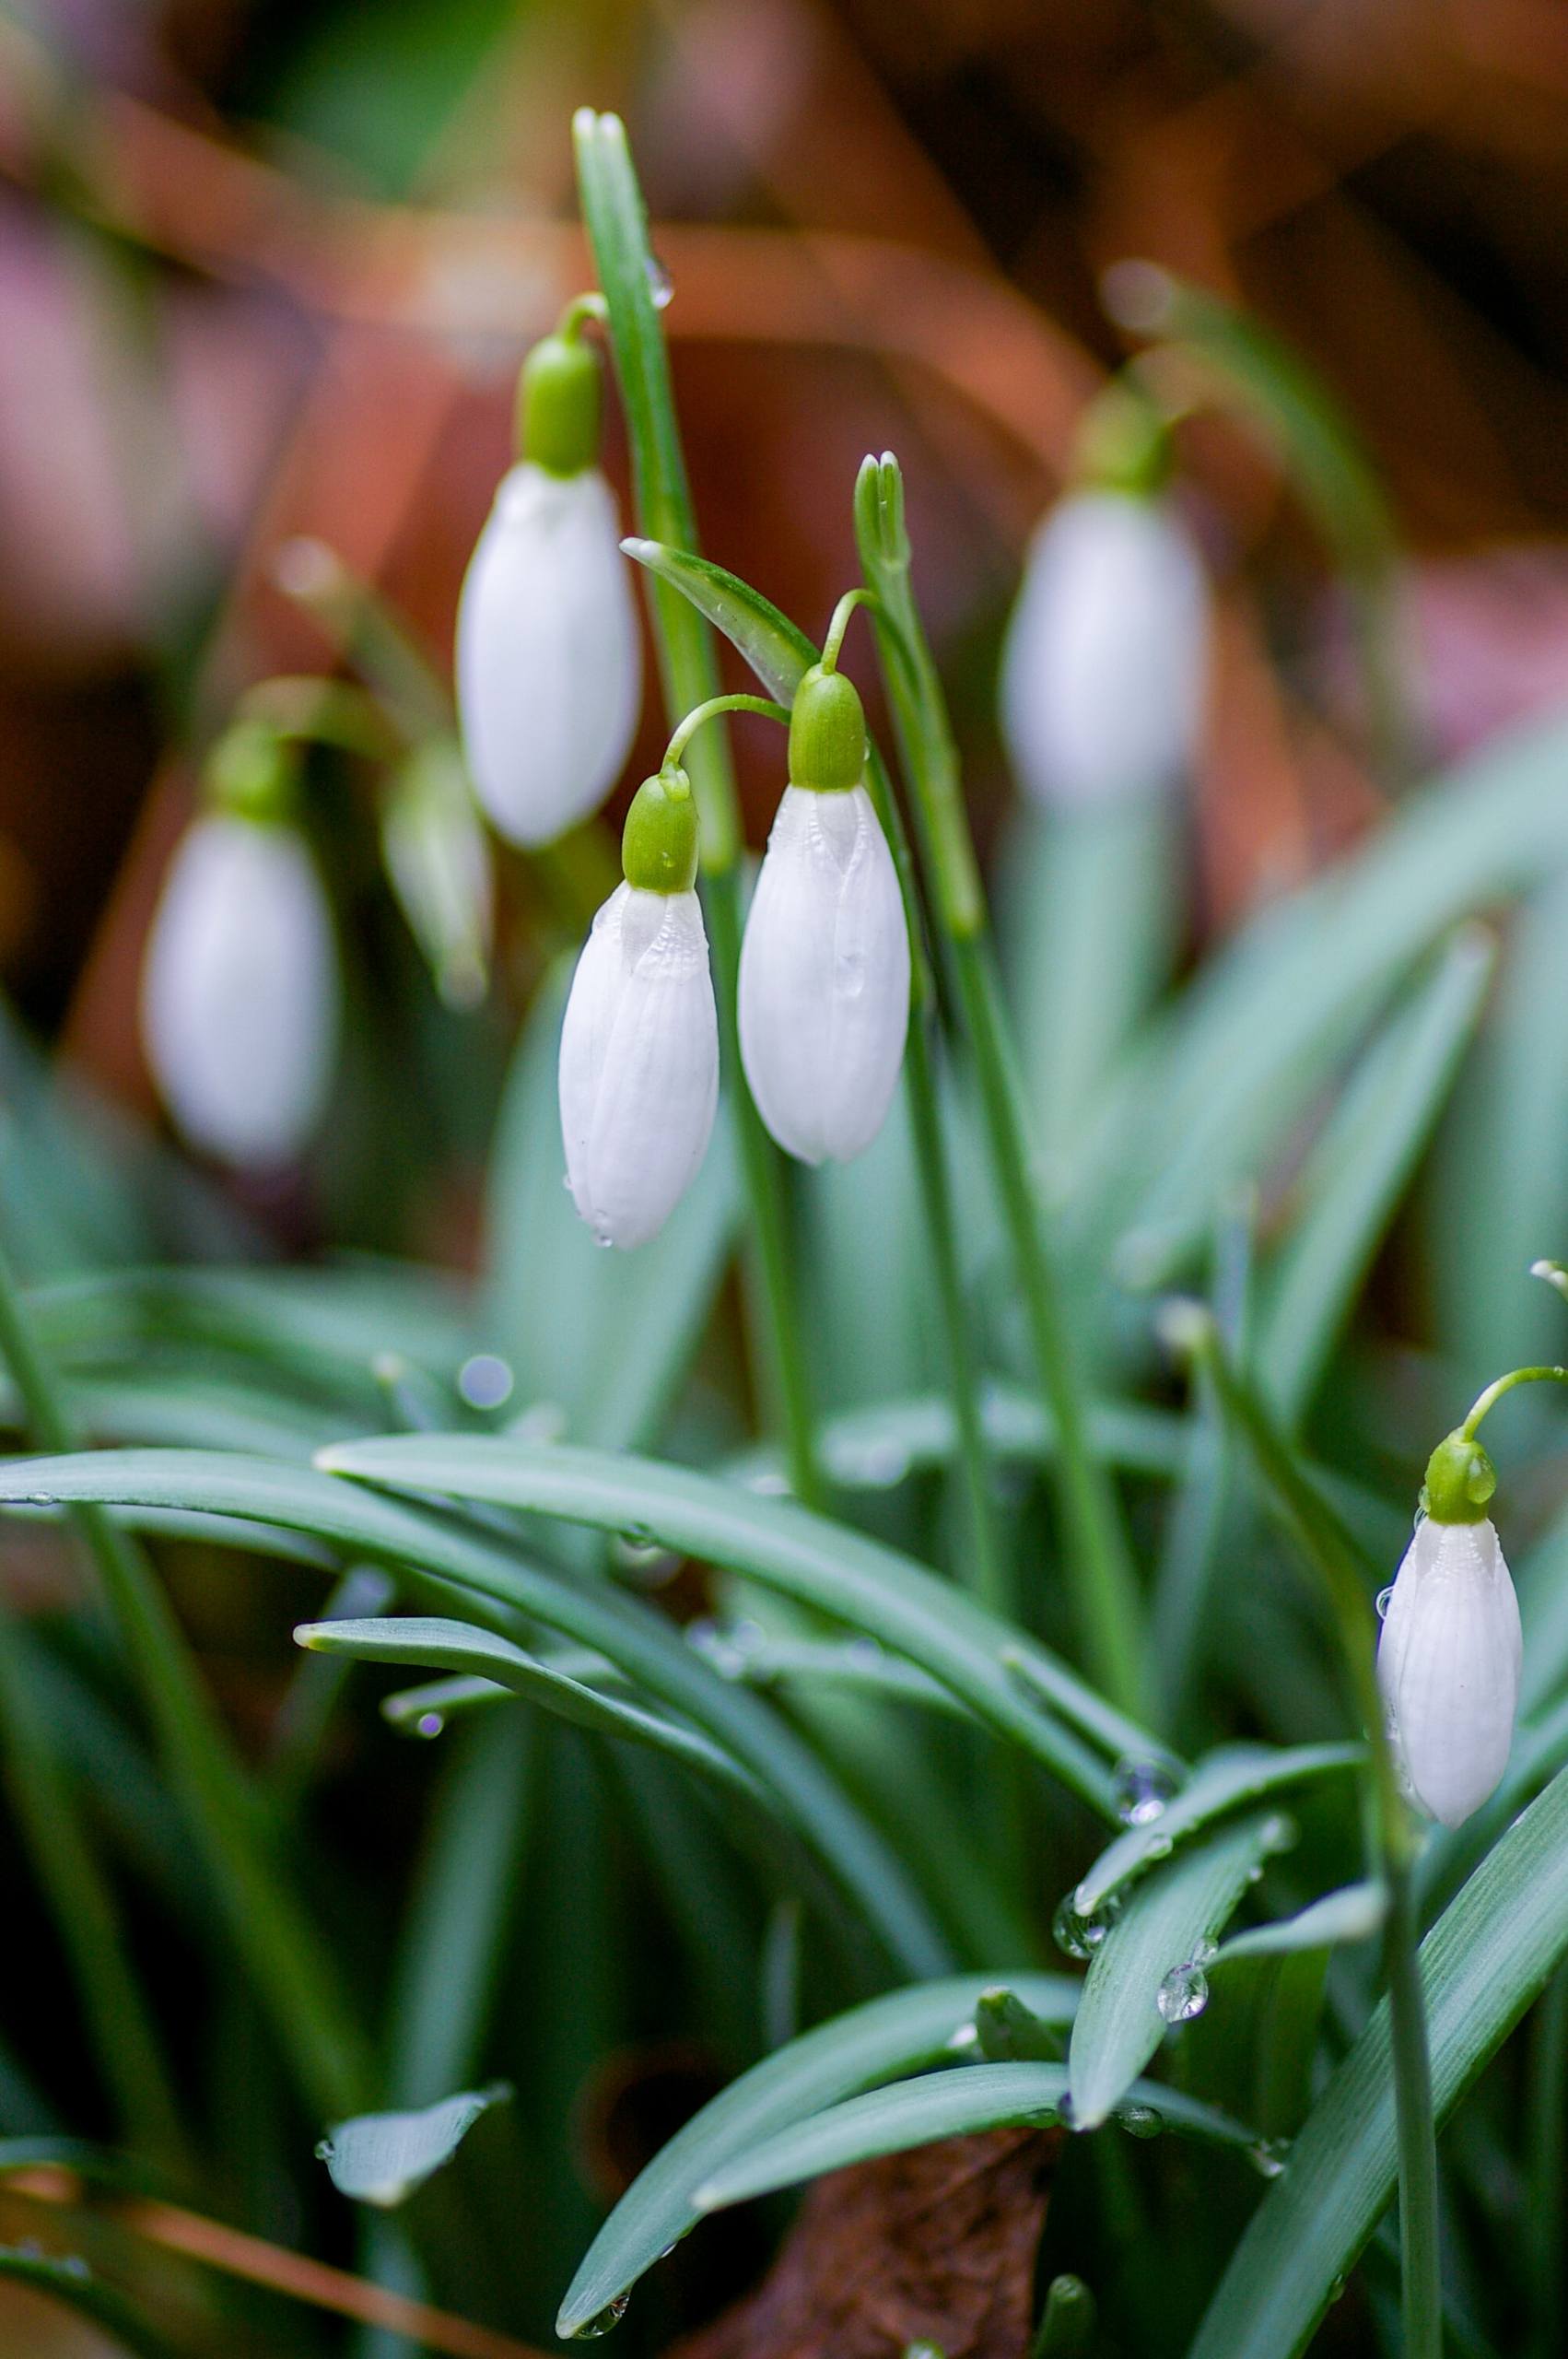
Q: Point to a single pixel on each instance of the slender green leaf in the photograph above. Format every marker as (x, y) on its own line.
(1360, 1168)
(438, 1558)
(1353, 1914)
(71, 2283)
(463, 1647)
(1485, 1963)
(1148, 1969)
(1228, 1780)
(902, 2032)
(380, 2158)
(819, 1563)
(943, 2105)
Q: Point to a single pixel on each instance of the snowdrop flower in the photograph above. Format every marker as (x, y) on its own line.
(639, 1046)
(240, 990)
(549, 662)
(823, 1000)
(1103, 672)
(1448, 1658)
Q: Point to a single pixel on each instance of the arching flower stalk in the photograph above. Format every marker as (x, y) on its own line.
(639, 1046)
(240, 997)
(549, 660)
(823, 999)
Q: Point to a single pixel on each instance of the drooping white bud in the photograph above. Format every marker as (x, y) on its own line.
(549, 663)
(240, 990)
(1448, 1666)
(1103, 672)
(823, 1002)
(639, 1063)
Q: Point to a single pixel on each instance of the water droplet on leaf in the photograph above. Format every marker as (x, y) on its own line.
(1184, 1993)
(1141, 2120)
(1385, 1599)
(602, 2320)
(1143, 1790)
(429, 1724)
(660, 286)
(1078, 1933)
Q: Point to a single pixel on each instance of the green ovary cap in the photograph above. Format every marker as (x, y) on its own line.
(1460, 1479)
(250, 773)
(557, 404)
(828, 733)
(659, 845)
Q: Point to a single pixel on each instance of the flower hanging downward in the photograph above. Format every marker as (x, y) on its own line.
(824, 1004)
(1448, 1658)
(239, 992)
(549, 663)
(639, 1046)
(1103, 672)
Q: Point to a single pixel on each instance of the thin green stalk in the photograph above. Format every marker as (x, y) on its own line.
(119, 2024)
(1546, 2152)
(1098, 1564)
(1350, 1583)
(617, 228)
(293, 1973)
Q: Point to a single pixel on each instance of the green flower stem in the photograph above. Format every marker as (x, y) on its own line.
(1349, 1581)
(617, 228)
(119, 2022)
(293, 1974)
(1098, 1564)
(1494, 1392)
(990, 1576)
(687, 729)
(833, 645)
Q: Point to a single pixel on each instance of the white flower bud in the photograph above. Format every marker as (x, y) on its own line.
(239, 992)
(549, 663)
(1101, 682)
(1448, 1666)
(823, 1002)
(639, 1063)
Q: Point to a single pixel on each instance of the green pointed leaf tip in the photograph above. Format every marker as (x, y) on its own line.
(778, 652)
(380, 2158)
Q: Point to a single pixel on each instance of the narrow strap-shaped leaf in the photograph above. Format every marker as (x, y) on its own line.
(441, 1559)
(778, 652)
(1171, 1918)
(1360, 1168)
(1486, 1960)
(818, 1562)
(943, 2105)
(1353, 1914)
(1224, 1781)
(901, 2032)
(463, 1647)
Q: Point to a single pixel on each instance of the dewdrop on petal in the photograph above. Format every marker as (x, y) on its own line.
(1448, 1658)
(1103, 671)
(639, 1046)
(549, 660)
(240, 1003)
(823, 998)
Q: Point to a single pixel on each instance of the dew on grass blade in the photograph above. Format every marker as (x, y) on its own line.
(1184, 1993)
(1268, 2157)
(602, 2320)
(660, 286)
(1385, 1599)
(1143, 1790)
(1079, 1935)
(1140, 2120)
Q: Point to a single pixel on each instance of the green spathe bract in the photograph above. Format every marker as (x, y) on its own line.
(828, 733)
(659, 844)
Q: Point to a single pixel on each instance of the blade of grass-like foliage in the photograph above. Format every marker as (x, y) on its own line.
(777, 650)
(71, 2283)
(1360, 1168)
(302, 1718)
(1483, 1964)
(1174, 1913)
(902, 2032)
(1224, 1781)
(1088, 924)
(870, 1449)
(954, 2104)
(1225, 1079)
(380, 2158)
(602, 1336)
(463, 1646)
(819, 1563)
(214, 1414)
(1353, 1914)
(440, 1559)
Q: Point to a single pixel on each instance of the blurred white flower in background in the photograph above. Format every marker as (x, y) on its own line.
(239, 992)
(1103, 672)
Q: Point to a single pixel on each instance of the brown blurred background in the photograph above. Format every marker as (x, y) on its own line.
(267, 270)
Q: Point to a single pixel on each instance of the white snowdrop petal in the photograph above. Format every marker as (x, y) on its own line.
(240, 990)
(823, 999)
(549, 663)
(639, 1063)
(1103, 672)
(1448, 1664)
